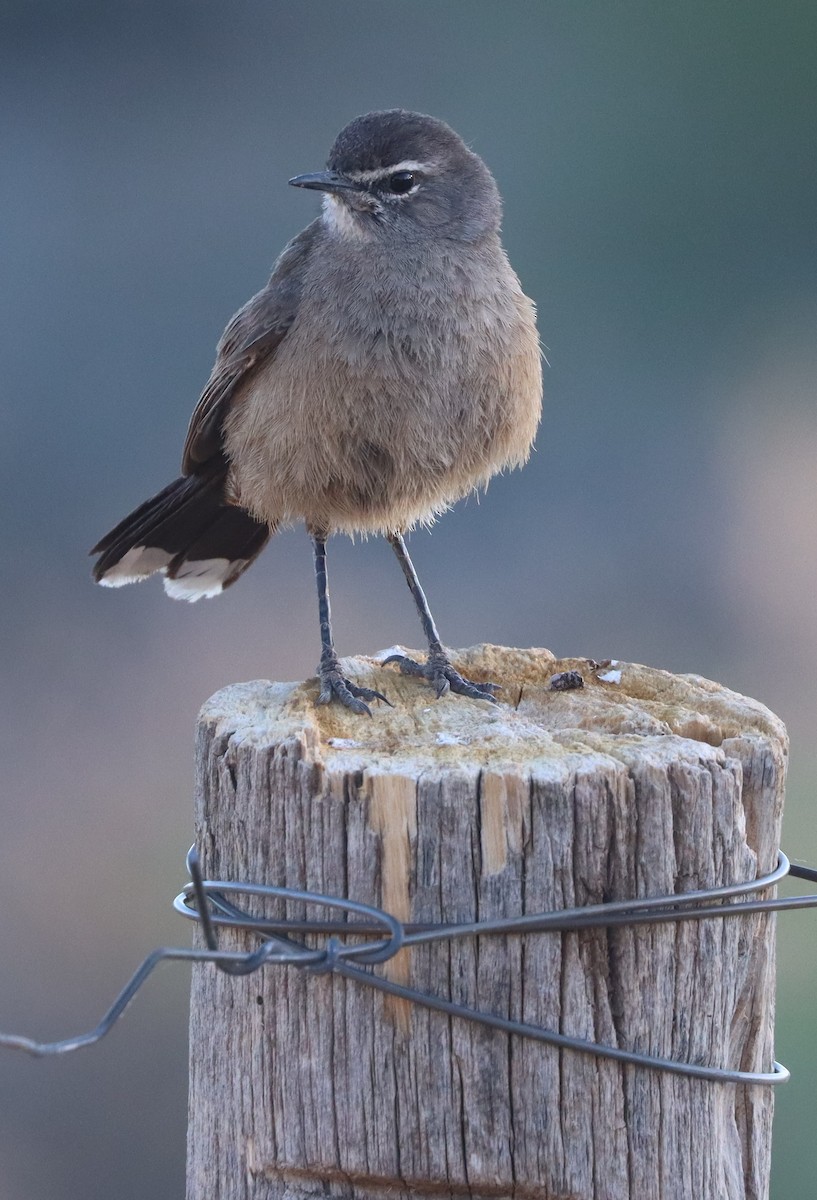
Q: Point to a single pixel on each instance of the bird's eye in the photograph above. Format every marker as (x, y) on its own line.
(401, 182)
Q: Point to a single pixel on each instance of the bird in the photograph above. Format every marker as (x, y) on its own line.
(389, 367)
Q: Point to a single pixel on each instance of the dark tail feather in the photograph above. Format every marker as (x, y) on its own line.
(187, 533)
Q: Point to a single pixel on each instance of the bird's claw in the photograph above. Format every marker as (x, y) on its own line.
(335, 686)
(443, 678)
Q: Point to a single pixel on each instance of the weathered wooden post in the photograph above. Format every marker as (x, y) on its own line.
(642, 783)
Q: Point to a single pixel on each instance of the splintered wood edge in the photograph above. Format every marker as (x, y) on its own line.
(623, 710)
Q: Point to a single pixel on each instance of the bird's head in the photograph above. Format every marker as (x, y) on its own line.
(406, 175)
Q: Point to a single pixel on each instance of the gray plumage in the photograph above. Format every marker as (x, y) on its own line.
(390, 366)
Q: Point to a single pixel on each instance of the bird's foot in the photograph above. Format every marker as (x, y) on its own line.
(441, 675)
(335, 686)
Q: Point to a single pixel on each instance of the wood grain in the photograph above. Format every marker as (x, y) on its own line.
(305, 1086)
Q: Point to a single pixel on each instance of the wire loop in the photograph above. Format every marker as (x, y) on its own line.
(379, 936)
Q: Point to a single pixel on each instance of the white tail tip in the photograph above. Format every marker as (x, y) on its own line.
(199, 580)
(137, 564)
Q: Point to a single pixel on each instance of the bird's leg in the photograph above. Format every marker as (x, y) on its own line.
(333, 684)
(437, 668)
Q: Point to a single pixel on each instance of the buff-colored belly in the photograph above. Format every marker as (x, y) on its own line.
(353, 442)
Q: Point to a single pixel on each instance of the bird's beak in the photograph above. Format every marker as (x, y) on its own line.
(324, 181)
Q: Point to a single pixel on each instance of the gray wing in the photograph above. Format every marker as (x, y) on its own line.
(250, 339)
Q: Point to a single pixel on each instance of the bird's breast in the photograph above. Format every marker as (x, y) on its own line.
(396, 391)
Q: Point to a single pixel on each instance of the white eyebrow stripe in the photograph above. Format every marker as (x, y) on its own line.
(382, 172)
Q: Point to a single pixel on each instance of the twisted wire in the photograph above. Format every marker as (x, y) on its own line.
(206, 901)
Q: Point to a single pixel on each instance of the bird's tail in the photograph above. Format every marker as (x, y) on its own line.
(189, 534)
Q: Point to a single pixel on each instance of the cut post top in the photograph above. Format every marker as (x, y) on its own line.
(622, 709)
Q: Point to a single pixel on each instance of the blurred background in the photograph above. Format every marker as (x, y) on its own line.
(657, 164)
